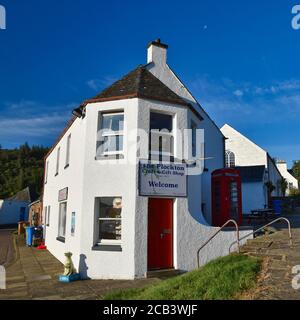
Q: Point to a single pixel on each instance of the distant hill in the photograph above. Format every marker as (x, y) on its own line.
(21, 168)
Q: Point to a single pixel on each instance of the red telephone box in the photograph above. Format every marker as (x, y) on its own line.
(226, 196)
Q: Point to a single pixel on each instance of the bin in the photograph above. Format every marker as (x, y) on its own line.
(29, 235)
(277, 206)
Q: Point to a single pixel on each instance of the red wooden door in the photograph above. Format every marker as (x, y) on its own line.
(160, 234)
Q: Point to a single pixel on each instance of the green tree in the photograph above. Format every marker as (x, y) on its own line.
(283, 186)
(20, 168)
(296, 170)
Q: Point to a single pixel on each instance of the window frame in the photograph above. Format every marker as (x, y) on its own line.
(110, 133)
(47, 222)
(99, 241)
(161, 155)
(68, 151)
(60, 236)
(46, 171)
(230, 159)
(57, 161)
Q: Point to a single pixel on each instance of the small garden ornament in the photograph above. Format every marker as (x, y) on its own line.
(70, 273)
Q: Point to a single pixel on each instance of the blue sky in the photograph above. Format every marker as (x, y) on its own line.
(241, 60)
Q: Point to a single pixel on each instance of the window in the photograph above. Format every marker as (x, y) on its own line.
(161, 141)
(48, 218)
(110, 134)
(57, 161)
(110, 212)
(46, 171)
(68, 151)
(62, 220)
(229, 159)
(45, 216)
(194, 139)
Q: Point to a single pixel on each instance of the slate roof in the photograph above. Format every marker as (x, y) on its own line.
(139, 83)
(23, 195)
(252, 173)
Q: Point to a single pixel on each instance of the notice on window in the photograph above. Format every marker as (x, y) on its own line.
(162, 179)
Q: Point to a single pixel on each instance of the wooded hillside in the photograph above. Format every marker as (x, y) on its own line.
(21, 168)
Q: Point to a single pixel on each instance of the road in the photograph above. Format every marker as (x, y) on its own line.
(6, 246)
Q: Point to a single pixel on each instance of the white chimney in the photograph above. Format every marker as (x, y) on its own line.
(157, 52)
(282, 165)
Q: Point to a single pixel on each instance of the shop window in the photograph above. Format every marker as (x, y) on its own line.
(110, 223)
(110, 134)
(62, 220)
(161, 140)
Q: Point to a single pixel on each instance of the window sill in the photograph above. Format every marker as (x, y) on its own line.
(107, 247)
(61, 239)
(66, 166)
(110, 157)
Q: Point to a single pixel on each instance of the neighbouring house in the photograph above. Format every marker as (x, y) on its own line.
(292, 182)
(242, 152)
(35, 213)
(15, 208)
(118, 191)
(254, 179)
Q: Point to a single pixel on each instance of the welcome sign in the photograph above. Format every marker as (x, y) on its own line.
(162, 179)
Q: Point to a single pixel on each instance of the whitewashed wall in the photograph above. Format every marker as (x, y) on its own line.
(71, 177)
(253, 196)
(246, 152)
(282, 167)
(214, 140)
(190, 228)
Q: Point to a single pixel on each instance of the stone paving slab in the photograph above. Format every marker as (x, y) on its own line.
(34, 276)
(277, 283)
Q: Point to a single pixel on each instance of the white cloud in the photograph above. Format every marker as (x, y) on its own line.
(238, 93)
(41, 126)
(33, 121)
(229, 101)
(101, 83)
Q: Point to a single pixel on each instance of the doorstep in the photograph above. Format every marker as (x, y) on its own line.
(163, 273)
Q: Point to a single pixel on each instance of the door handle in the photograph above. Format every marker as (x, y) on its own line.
(162, 235)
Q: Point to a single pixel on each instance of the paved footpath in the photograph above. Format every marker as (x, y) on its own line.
(280, 258)
(34, 273)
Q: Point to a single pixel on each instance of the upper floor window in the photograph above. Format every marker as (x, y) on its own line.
(194, 139)
(229, 159)
(68, 151)
(57, 161)
(46, 171)
(161, 140)
(110, 134)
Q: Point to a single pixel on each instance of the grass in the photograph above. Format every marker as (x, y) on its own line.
(222, 279)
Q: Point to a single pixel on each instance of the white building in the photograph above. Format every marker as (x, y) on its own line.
(291, 180)
(100, 201)
(15, 208)
(242, 152)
